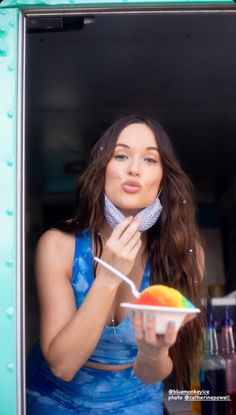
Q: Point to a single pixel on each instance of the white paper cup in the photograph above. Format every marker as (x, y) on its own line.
(162, 314)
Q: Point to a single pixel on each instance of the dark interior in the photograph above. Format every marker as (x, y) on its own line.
(180, 69)
(84, 72)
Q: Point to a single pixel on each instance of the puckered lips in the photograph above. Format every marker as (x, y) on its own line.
(131, 186)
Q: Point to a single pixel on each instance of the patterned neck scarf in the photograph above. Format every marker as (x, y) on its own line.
(148, 215)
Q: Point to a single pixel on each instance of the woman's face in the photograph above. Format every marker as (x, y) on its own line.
(134, 173)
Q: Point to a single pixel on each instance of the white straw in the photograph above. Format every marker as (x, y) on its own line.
(119, 274)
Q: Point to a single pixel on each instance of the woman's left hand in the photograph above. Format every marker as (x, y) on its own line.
(149, 343)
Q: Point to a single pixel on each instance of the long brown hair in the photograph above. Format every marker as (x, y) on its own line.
(173, 243)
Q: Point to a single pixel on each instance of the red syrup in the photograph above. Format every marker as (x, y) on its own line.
(232, 403)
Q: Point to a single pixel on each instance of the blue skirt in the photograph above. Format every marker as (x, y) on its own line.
(91, 391)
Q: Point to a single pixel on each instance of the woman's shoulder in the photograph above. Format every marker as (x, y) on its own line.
(56, 245)
(56, 237)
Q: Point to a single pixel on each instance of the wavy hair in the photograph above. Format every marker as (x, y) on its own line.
(174, 246)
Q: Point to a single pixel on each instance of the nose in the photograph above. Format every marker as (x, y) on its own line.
(134, 167)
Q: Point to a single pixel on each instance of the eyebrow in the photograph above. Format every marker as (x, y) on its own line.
(147, 148)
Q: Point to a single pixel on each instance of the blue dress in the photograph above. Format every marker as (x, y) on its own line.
(93, 391)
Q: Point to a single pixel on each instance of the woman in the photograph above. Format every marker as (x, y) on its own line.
(92, 358)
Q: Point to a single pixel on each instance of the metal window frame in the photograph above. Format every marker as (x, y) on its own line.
(31, 12)
(20, 220)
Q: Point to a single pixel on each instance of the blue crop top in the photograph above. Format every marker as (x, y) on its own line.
(114, 347)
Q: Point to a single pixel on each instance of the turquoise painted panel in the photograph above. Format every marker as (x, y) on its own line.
(8, 74)
(18, 3)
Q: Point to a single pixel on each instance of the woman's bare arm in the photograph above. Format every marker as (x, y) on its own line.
(68, 336)
(153, 362)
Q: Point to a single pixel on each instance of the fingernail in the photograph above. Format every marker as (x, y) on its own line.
(171, 325)
(150, 316)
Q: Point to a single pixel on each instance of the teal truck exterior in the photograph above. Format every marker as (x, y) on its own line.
(19, 3)
(8, 122)
(10, 183)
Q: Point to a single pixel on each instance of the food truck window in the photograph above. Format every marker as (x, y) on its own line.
(85, 70)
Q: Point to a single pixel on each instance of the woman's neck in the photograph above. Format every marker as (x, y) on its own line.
(130, 212)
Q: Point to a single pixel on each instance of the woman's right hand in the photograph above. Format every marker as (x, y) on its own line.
(121, 248)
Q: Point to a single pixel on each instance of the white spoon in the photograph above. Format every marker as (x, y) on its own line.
(119, 274)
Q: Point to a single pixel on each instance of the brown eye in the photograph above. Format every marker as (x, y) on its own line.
(151, 160)
(120, 157)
